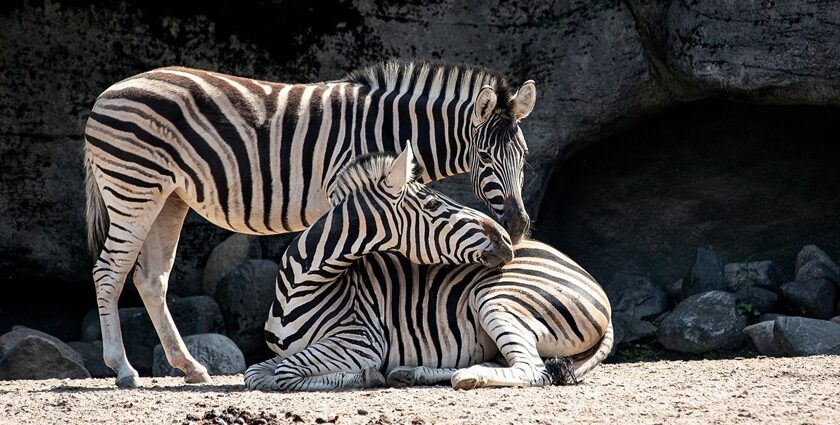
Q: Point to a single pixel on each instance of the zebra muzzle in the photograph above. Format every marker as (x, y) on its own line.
(500, 249)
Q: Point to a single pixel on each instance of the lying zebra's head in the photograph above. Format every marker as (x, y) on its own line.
(396, 212)
(498, 153)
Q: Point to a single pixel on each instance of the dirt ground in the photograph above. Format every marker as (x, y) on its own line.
(763, 390)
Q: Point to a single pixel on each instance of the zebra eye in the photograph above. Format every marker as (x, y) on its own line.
(433, 204)
(485, 157)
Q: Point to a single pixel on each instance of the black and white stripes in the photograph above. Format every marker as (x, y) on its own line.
(258, 157)
(346, 311)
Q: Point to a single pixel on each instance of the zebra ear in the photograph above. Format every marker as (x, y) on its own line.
(524, 99)
(400, 173)
(485, 103)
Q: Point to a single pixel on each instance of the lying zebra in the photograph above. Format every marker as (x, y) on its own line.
(346, 311)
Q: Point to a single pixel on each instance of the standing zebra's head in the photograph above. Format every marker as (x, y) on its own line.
(498, 153)
(414, 220)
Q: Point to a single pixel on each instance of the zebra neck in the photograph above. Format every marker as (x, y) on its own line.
(322, 253)
(435, 116)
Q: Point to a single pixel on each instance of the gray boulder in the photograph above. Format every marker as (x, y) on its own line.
(761, 337)
(29, 354)
(636, 296)
(192, 315)
(706, 274)
(810, 253)
(632, 329)
(92, 358)
(245, 296)
(816, 269)
(757, 300)
(802, 336)
(812, 298)
(760, 274)
(836, 319)
(702, 323)
(226, 256)
(215, 352)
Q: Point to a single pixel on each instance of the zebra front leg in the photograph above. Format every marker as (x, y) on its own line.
(406, 376)
(329, 364)
(151, 277)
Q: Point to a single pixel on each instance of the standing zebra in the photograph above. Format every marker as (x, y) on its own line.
(256, 157)
(345, 311)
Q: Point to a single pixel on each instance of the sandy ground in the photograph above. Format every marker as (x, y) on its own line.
(763, 390)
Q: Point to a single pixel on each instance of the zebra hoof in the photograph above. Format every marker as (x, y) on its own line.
(401, 377)
(465, 380)
(130, 381)
(198, 377)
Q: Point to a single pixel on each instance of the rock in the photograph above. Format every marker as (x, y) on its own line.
(836, 319)
(816, 269)
(706, 274)
(192, 315)
(632, 329)
(216, 352)
(801, 336)
(636, 296)
(245, 296)
(767, 317)
(811, 253)
(756, 300)
(675, 289)
(92, 358)
(29, 354)
(760, 274)
(761, 337)
(813, 298)
(226, 256)
(702, 323)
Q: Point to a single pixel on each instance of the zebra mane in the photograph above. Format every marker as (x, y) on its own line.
(363, 171)
(389, 72)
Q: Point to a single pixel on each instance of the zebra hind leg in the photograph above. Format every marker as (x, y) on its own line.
(151, 277)
(122, 245)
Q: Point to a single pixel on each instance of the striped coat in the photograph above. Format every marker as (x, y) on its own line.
(353, 302)
(257, 157)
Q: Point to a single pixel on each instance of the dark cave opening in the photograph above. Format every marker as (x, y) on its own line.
(752, 182)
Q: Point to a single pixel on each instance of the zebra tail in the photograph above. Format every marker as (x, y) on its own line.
(584, 365)
(95, 212)
(261, 377)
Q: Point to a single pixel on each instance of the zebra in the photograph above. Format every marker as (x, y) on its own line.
(383, 284)
(256, 157)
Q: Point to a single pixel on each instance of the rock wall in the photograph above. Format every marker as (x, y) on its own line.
(600, 66)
